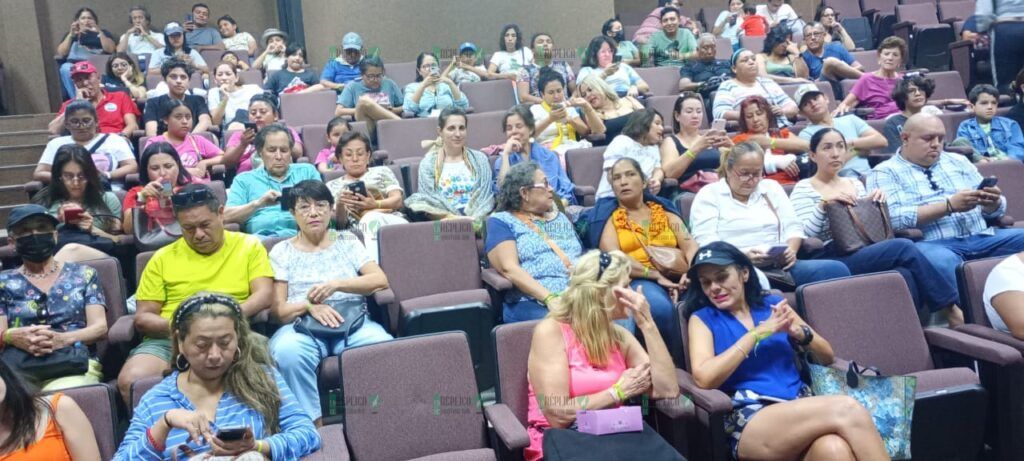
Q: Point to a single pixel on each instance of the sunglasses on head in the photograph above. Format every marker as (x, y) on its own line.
(189, 198)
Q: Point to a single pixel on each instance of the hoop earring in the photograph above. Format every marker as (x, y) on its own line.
(178, 360)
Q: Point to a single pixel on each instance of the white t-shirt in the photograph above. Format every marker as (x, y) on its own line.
(456, 185)
(730, 32)
(649, 158)
(551, 131)
(159, 57)
(137, 44)
(239, 42)
(1006, 276)
(512, 62)
(239, 100)
(302, 270)
(785, 12)
(115, 149)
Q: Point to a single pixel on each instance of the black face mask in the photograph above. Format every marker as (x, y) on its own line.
(35, 247)
(620, 37)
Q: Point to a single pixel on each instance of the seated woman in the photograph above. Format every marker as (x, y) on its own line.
(123, 74)
(874, 89)
(755, 215)
(729, 316)
(47, 305)
(563, 124)
(624, 49)
(781, 60)
(521, 147)
(512, 58)
(530, 243)
(688, 151)
(599, 61)
(326, 159)
(746, 83)
(35, 425)
(197, 153)
(372, 97)
(161, 167)
(233, 39)
(433, 90)
(83, 39)
(1004, 296)
(727, 25)
(295, 76)
(580, 358)
(612, 109)
(176, 48)
(222, 376)
(758, 125)
(454, 181)
(111, 154)
(834, 30)
(229, 99)
(239, 150)
(911, 96)
(640, 221)
(91, 216)
(314, 272)
(384, 200)
(544, 55)
(641, 140)
(928, 287)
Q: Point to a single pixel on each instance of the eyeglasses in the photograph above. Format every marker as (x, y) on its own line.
(320, 207)
(815, 34)
(80, 122)
(748, 176)
(931, 181)
(540, 185)
(373, 76)
(189, 198)
(68, 177)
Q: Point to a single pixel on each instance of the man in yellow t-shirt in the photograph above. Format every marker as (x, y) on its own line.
(206, 258)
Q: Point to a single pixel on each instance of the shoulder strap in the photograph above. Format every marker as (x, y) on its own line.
(558, 251)
(776, 213)
(95, 147)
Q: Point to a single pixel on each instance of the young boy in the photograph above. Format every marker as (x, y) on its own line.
(994, 138)
(466, 70)
(753, 24)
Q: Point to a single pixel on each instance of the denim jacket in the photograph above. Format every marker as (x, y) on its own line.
(1006, 135)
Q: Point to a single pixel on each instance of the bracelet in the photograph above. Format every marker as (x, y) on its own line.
(689, 153)
(771, 144)
(737, 346)
(549, 297)
(168, 423)
(618, 392)
(378, 204)
(152, 441)
(615, 397)
(7, 335)
(647, 271)
(949, 206)
(309, 306)
(259, 446)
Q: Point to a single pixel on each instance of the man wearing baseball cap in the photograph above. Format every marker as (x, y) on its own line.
(345, 67)
(860, 137)
(467, 70)
(116, 111)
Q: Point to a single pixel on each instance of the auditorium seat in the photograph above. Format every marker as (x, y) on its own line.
(1011, 181)
(584, 168)
(491, 95)
(99, 403)
(485, 129)
(308, 108)
(401, 139)
(251, 77)
(927, 38)
(663, 80)
(403, 73)
(212, 57)
(332, 444)
(112, 283)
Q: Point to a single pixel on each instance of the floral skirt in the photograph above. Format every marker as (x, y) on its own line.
(745, 404)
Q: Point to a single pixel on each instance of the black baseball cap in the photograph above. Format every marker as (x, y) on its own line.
(24, 212)
(714, 256)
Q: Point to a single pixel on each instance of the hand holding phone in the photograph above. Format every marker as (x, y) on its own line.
(358, 187)
(286, 198)
(990, 181)
(776, 252)
(250, 126)
(232, 434)
(72, 215)
(718, 125)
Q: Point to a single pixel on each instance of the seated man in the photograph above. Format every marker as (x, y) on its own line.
(176, 75)
(827, 60)
(671, 45)
(115, 110)
(140, 39)
(704, 73)
(938, 193)
(776, 11)
(860, 138)
(991, 136)
(372, 96)
(198, 32)
(205, 258)
(345, 68)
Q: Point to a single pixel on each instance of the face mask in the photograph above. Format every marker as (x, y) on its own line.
(36, 247)
(620, 37)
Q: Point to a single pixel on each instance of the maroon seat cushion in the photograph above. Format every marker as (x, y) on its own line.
(929, 380)
(445, 299)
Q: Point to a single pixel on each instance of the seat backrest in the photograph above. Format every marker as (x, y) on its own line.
(491, 95)
(951, 120)
(140, 264)
(197, 80)
(665, 106)
(420, 396)
(511, 351)
(884, 7)
(845, 8)
(402, 138)
(948, 85)
(723, 48)
(824, 87)
(358, 126)
(251, 77)
(140, 387)
(100, 62)
(153, 80)
(308, 108)
(868, 318)
(755, 44)
(212, 57)
(112, 283)
(403, 73)
(314, 139)
(684, 202)
(485, 129)
(414, 178)
(847, 85)
(960, 10)
(971, 277)
(98, 402)
(921, 14)
(219, 190)
(585, 166)
(663, 81)
(408, 250)
(1011, 182)
(868, 59)
(916, 2)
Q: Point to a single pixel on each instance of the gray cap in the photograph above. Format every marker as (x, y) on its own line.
(173, 28)
(273, 32)
(24, 212)
(352, 41)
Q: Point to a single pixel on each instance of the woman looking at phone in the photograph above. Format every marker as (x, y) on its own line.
(76, 197)
(161, 175)
(240, 150)
(197, 153)
(600, 60)
(688, 151)
(563, 124)
(433, 90)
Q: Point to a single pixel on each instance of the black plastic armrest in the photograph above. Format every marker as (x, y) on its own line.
(710, 400)
(903, 25)
(596, 137)
(972, 346)
(950, 21)
(380, 157)
(495, 280)
(384, 297)
(869, 13)
(509, 429)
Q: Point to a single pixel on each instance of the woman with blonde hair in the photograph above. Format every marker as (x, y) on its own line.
(612, 109)
(579, 357)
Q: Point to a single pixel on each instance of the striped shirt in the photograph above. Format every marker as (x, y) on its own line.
(730, 94)
(908, 186)
(805, 200)
(297, 438)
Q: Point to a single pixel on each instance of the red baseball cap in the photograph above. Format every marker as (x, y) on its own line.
(82, 67)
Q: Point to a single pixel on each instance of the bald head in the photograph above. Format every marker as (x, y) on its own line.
(922, 137)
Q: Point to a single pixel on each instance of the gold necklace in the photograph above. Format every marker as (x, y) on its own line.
(42, 275)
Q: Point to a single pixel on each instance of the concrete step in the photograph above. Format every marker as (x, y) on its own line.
(21, 155)
(24, 138)
(16, 175)
(12, 195)
(25, 122)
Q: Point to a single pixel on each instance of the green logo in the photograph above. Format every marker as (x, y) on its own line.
(374, 402)
(437, 404)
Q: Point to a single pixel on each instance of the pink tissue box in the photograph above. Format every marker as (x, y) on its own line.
(610, 421)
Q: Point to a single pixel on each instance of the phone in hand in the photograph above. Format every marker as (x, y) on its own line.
(718, 125)
(250, 126)
(188, 17)
(73, 215)
(358, 187)
(988, 182)
(231, 434)
(286, 198)
(777, 251)
(166, 188)
(617, 59)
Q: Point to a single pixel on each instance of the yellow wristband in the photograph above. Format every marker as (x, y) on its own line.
(772, 144)
(689, 153)
(618, 392)
(647, 272)
(7, 335)
(378, 204)
(259, 446)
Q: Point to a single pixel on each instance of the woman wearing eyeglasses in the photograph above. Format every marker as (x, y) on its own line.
(834, 30)
(111, 154)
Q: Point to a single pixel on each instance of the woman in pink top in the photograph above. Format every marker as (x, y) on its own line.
(580, 358)
(239, 149)
(197, 153)
(874, 89)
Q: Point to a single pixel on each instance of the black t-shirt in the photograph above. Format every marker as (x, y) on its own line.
(155, 110)
(91, 40)
(284, 79)
(699, 71)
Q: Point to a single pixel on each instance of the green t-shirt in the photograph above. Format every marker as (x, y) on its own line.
(661, 47)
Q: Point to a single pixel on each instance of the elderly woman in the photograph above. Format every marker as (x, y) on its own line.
(580, 358)
(544, 53)
(742, 341)
(642, 220)
(239, 150)
(91, 216)
(810, 196)
(747, 83)
(599, 60)
(521, 147)
(161, 175)
(229, 99)
(433, 89)
(911, 96)
(529, 242)
(454, 181)
(512, 58)
(111, 154)
(781, 60)
(48, 305)
(84, 39)
(874, 89)
(613, 110)
(641, 140)
(197, 153)
(688, 151)
(756, 216)
(563, 124)
(316, 273)
(253, 200)
(177, 48)
(758, 125)
(384, 195)
(222, 377)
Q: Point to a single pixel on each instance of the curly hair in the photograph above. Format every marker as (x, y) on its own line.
(519, 176)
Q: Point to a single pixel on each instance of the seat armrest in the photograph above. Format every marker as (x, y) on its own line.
(909, 25)
(991, 334)
(384, 297)
(495, 280)
(380, 157)
(585, 192)
(950, 21)
(709, 400)
(912, 233)
(668, 185)
(123, 330)
(810, 246)
(596, 137)
(233, 227)
(863, 112)
(677, 408)
(332, 444)
(869, 13)
(972, 346)
(406, 114)
(507, 426)
(32, 187)
(217, 172)
(1006, 221)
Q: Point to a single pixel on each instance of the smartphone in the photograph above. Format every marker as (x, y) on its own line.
(250, 126)
(557, 106)
(617, 59)
(435, 71)
(285, 198)
(988, 182)
(718, 125)
(166, 188)
(188, 18)
(776, 252)
(358, 187)
(231, 434)
(73, 215)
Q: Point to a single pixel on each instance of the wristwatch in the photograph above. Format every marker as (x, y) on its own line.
(807, 339)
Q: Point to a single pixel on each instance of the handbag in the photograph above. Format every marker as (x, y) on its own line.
(352, 310)
(571, 445)
(669, 261)
(889, 399)
(856, 226)
(67, 361)
(699, 179)
(150, 232)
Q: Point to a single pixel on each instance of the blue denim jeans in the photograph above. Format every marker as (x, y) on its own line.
(927, 285)
(815, 270)
(947, 254)
(66, 83)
